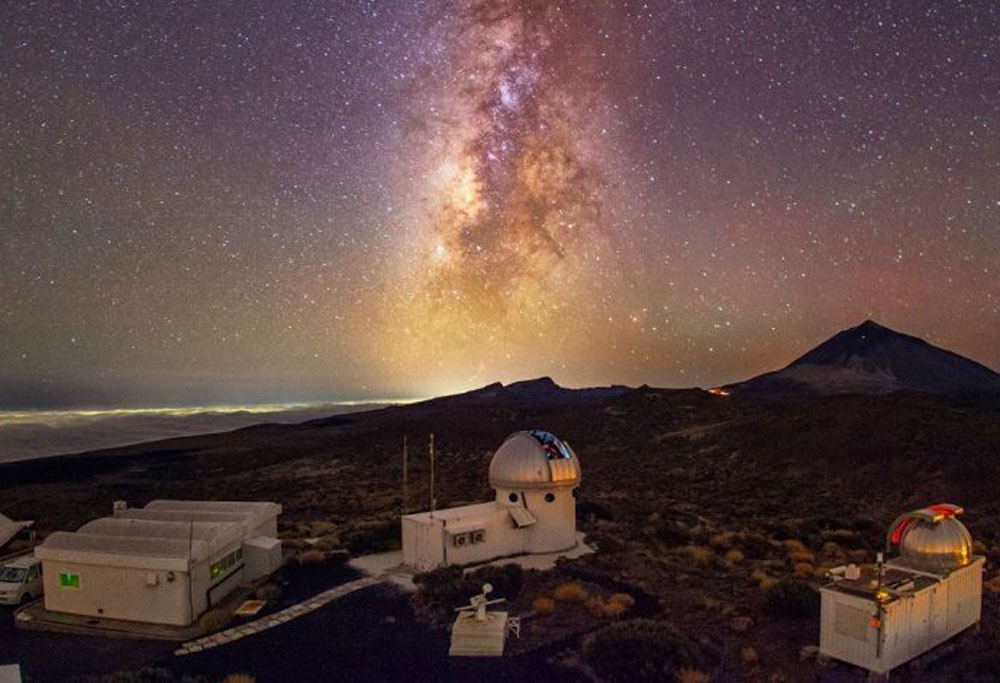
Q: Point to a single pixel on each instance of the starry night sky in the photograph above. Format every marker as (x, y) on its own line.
(277, 200)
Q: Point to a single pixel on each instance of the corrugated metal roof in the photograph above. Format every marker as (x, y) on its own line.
(124, 551)
(534, 459)
(165, 535)
(261, 511)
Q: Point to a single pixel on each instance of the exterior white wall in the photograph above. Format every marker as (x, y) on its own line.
(839, 636)
(428, 542)
(423, 543)
(912, 625)
(261, 557)
(555, 529)
(119, 593)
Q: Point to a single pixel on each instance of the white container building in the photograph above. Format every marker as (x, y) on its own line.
(166, 563)
(535, 475)
(880, 617)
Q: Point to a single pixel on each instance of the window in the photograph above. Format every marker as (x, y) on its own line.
(13, 574)
(550, 497)
(69, 581)
(223, 565)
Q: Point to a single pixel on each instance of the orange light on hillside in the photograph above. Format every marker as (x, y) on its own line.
(718, 391)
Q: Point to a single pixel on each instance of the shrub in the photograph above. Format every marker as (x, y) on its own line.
(792, 598)
(748, 655)
(734, 556)
(595, 606)
(641, 650)
(831, 549)
(543, 605)
(614, 610)
(146, 675)
(723, 541)
(570, 592)
(740, 624)
(214, 620)
(239, 678)
(623, 598)
(448, 587)
(700, 554)
(691, 676)
(507, 580)
(269, 591)
(755, 546)
(805, 569)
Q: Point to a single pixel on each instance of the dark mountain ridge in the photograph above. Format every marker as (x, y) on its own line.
(873, 359)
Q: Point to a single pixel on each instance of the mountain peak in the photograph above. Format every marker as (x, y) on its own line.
(873, 359)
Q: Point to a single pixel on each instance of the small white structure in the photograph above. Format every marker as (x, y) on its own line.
(166, 563)
(477, 632)
(535, 475)
(881, 616)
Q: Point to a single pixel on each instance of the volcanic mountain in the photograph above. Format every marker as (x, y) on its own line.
(872, 359)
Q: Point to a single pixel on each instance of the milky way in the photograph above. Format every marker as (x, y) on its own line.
(265, 201)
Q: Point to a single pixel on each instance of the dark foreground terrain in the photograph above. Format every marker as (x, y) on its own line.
(713, 512)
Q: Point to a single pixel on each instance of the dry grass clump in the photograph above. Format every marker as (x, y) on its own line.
(595, 606)
(691, 676)
(711, 604)
(329, 542)
(723, 541)
(858, 556)
(805, 569)
(239, 678)
(214, 620)
(570, 592)
(831, 549)
(612, 608)
(748, 655)
(543, 605)
(763, 579)
(311, 558)
(622, 598)
(797, 552)
(700, 554)
(740, 624)
(732, 557)
(993, 585)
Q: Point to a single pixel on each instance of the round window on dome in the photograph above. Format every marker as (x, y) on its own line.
(550, 497)
(512, 497)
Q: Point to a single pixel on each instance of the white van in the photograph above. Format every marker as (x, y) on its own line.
(20, 580)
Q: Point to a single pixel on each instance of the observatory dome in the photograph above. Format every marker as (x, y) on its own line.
(932, 539)
(534, 459)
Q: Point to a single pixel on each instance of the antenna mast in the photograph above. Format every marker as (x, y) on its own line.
(406, 480)
(433, 500)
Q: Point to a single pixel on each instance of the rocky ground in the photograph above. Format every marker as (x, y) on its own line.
(710, 512)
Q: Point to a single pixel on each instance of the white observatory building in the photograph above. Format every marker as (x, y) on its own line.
(535, 475)
(881, 616)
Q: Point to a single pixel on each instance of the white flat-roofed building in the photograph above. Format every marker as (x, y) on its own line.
(535, 475)
(925, 595)
(166, 563)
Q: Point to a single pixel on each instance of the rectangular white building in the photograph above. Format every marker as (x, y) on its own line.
(166, 563)
(929, 593)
